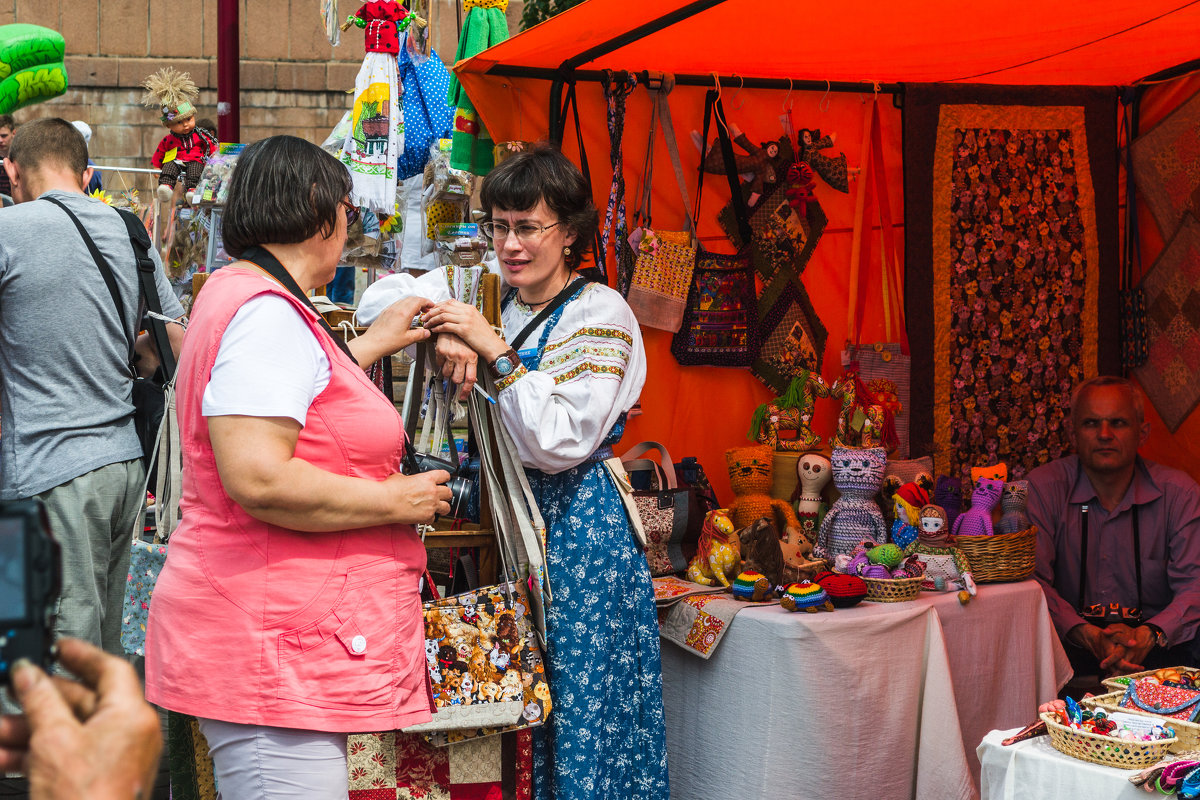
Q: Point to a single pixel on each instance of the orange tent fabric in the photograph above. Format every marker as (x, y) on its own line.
(703, 411)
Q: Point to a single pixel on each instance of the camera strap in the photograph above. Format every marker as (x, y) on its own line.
(262, 258)
(1083, 554)
(555, 302)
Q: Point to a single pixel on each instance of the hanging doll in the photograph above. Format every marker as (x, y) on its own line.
(183, 152)
(484, 26)
(946, 567)
(832, 170)
(793, 411)
(858, 474)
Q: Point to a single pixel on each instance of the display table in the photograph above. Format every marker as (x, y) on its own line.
(880, 700)
(1034, 770)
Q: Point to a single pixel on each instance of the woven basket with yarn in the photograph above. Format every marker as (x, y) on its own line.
(1001, 558)
(1187, 734)
(892, 590)
(1106, 750)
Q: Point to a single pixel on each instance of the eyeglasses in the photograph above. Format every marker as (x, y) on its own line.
(351, 212)
(526, 231)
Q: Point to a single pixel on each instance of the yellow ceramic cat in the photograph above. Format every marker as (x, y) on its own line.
(719, 553)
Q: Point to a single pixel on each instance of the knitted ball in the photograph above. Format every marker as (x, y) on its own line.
(856, 469)
(843, 590)
(889, 555)
(876, 571)
(750, 585)
(799, 596)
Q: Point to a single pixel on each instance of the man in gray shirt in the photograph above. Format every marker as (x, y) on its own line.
(66, 426)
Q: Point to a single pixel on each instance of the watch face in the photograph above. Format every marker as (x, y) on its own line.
(503, 366)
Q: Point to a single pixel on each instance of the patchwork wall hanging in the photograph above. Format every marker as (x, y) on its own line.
(1012, 258)
(1166, 166)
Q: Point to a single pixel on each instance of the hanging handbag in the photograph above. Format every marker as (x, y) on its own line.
(671, 515)
(666, 260)
(720, 324)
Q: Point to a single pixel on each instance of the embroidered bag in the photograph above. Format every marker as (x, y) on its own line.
(1166, 701)
(665, 259)
(671, 515)
(720, 325)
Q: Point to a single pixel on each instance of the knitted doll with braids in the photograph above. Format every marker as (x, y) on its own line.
(750, 473)
(184, 150)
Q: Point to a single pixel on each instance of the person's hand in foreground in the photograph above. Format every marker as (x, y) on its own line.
(95, 738)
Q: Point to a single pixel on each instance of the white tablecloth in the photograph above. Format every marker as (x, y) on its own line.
(1034, 770)
(884, 700)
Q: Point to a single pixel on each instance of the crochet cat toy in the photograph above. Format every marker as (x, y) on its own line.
(946, 567)
(977, 520)
(750, 474)
(854, 516)
(997, 472)
(948, 495)
(718, 553)
(183, 152)
(1013, 502)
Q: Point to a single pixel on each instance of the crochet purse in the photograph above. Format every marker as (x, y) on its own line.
(720, 323)
(1166, 701)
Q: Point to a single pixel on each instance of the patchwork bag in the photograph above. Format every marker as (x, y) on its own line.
(1166, 701)
(671, 515)
(662, 273)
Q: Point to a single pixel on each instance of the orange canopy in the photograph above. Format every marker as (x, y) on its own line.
(702, 411)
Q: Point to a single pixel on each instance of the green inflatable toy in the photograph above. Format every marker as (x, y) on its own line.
(31, 65)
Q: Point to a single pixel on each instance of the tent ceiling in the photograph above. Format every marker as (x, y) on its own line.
(1096, 42)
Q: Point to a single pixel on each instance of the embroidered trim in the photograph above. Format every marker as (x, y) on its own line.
(589, 366)
(600, 333)
(509, 380)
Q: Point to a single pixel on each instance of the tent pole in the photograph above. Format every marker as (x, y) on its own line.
(629, 37)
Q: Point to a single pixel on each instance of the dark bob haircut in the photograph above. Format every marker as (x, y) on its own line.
(283, 190)
(542, 172)
(49, 141)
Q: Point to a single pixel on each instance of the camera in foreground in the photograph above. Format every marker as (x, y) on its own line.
(30, 580)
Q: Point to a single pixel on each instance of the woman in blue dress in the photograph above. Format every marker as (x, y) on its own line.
(565, 381)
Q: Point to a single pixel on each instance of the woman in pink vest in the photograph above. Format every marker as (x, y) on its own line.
(288, 612)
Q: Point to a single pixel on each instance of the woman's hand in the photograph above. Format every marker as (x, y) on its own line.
(465, 322)
(420, 498)
(391, 332)
(458, 362)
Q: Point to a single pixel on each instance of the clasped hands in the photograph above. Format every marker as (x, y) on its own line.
(1119, 648)
(463, 337)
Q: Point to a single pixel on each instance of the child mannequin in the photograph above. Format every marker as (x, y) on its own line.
(183, 151)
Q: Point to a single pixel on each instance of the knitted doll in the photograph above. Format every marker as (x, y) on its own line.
(854, 516)
(906, 507)
(1012, 502)
(750, 473)
(977, 520)
(182, 152)
(946, 567)
(948, 495)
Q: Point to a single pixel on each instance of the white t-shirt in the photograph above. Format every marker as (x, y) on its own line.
(269, 364)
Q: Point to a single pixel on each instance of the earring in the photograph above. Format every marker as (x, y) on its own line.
(566, 251)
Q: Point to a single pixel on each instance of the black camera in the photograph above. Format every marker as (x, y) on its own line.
(30, 580)
(460, 487)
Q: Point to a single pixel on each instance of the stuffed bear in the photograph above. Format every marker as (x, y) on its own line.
(750, 475)
(1013, 502)
(857, 473)
(977, 520)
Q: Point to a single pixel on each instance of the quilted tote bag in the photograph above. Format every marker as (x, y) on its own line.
(671, 515)
(662, 273)
(1167, 701)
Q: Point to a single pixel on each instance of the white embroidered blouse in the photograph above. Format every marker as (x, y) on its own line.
(592, 370)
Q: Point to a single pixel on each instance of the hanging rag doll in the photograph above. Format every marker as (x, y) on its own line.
(376, 137)
(485, 25)
(759, 162)
(1013, 502)
(946, 567)
(183, 152)
(858, 474)
(977, 520)
(831, 169)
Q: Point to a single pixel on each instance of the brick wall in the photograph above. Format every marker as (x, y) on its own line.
(292, 79)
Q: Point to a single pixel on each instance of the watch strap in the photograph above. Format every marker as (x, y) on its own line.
(1160, 638)
(513, 358)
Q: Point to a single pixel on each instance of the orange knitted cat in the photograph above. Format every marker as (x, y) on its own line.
(750, 472)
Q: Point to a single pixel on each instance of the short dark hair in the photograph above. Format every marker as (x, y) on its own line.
(266, 194)
(542, 172)
(208, 125)
(7, 121)
(1135, 395)
(50, 140)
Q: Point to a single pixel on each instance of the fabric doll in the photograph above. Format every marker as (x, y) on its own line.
(718, 553)
(948, 494)
(814, 473)
(750, 473)
(946, 567)
(907, 502)
(184, 150)
(832, 170)
(854, 516)
(977, 520)
(758, 162)
(1012, 502)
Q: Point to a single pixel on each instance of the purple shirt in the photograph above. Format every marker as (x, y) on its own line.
(1168, 510)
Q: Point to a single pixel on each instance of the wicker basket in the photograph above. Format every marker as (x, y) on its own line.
(1187, 734)
(892, 590)
(1001, 558)
(1106, 750)
(1121, 681)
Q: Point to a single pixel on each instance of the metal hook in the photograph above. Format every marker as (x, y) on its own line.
(823, 103)
(786, 105)
(738, 93)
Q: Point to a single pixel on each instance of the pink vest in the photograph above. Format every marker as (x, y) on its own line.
(258, 624)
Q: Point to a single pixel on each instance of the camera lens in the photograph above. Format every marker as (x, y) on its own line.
(460, 496)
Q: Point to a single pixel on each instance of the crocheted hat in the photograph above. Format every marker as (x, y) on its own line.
(913, 494)
(173, 93)
(843, 590)
(858, 469)
(799, 596)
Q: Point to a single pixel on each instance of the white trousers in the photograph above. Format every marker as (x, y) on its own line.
(255, 761)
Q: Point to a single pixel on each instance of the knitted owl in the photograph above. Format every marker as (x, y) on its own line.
(858, 474)
(750, 474)
(948, 494)
(977, 520)
(1012, 503)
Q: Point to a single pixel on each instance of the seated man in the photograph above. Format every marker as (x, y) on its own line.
(1142, 543)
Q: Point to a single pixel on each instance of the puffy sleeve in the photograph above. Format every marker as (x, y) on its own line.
(382, 293)
(592, 371)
